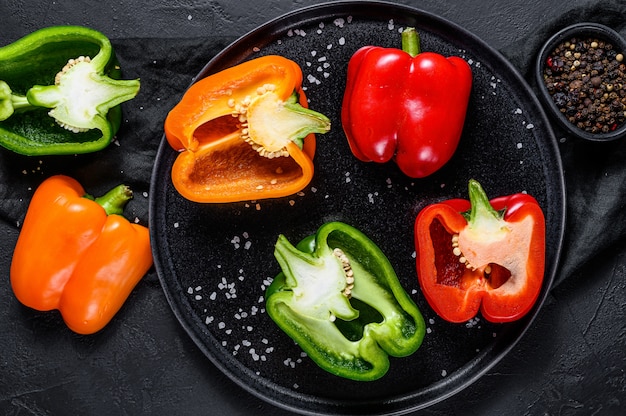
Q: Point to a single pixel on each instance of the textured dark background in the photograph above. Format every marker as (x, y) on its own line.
(571, 362)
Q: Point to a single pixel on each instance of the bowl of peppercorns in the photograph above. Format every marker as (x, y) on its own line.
(581, 75)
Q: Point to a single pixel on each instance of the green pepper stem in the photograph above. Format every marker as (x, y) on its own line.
(9, 102)
(310, 121)
(411, 41)
(481, 212)
(114, 201)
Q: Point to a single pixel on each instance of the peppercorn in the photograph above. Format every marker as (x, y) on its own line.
(585, 78)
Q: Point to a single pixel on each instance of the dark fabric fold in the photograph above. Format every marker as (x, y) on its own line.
(594, 172)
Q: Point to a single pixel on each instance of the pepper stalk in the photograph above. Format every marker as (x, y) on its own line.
(9, 102)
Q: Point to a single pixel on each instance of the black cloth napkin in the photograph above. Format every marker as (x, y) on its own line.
(595, 173)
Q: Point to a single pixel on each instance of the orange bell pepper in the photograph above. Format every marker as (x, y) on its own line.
(78, 255)
(244, 133)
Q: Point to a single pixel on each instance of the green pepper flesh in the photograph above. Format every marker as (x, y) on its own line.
(349, 337)
(32, 106)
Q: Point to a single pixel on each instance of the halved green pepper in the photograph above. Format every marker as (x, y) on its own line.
(60, 92)
(339, 298)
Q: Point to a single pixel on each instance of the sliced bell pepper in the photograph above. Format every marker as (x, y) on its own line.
(244, 133)
(406, 105)
(481, 255)
(78, 255)
(68, 74)
(339, 298)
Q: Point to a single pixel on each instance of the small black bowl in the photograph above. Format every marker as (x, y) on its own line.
(580, 31)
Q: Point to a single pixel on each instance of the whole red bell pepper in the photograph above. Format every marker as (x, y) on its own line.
(406, 105)
(481, 254)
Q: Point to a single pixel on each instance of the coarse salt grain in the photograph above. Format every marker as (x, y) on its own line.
(339, 22)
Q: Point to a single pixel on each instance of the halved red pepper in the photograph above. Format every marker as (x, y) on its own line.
(481, 254)
(406, 105)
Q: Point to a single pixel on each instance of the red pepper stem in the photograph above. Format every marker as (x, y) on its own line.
(411, 41)
(114, 201)
(482, 212)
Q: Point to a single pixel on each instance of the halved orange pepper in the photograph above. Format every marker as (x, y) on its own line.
(78, 255)
(244, 133)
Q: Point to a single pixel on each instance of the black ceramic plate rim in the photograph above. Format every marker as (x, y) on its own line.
(578, 29)
(275, 394)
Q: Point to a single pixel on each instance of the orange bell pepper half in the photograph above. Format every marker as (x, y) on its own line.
(78, 255)
(244, 133)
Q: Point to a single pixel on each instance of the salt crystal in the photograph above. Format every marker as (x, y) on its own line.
(339, 22)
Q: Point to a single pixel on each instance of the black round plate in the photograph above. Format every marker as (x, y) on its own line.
(215, 260)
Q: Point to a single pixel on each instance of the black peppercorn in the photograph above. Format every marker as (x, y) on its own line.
(585, 78)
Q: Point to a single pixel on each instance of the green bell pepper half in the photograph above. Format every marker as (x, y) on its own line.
(60, 92)
(345, 308)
